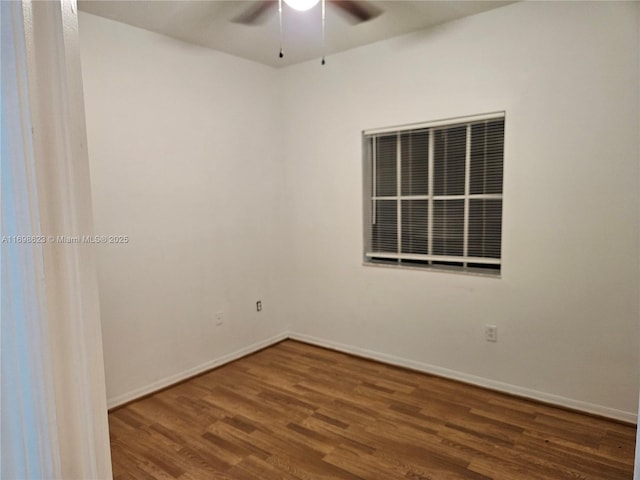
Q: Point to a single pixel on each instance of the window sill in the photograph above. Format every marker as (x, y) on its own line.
(438, 269)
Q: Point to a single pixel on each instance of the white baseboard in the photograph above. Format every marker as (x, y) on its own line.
(629, 417)
(173, 379)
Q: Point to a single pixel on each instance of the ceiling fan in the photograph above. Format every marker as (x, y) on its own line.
(357, 11)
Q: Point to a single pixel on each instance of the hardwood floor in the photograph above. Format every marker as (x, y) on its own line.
(294, 411)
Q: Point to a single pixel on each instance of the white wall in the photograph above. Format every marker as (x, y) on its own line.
(186, 148)
(183, 146)
(566, 306)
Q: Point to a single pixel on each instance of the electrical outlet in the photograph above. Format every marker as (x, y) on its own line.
(259, 305)
(491, 333)
(219, 318)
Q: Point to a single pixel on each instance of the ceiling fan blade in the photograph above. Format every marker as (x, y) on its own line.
(256, 14)
(358, 10)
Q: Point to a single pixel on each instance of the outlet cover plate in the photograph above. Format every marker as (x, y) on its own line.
(491, 333)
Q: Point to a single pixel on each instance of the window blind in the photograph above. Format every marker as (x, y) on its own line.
(433, 194)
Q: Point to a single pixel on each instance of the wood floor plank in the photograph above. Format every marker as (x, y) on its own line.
(298, 412)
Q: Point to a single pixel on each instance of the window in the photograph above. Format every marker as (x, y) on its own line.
(433, 194)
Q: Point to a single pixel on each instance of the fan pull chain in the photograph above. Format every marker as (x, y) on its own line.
(323, 31)
(281, 54)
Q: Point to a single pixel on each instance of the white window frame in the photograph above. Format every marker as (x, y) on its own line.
(480, 264)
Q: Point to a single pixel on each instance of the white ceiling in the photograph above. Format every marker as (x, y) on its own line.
(209, 23)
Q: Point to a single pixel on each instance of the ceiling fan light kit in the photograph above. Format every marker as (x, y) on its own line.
(301, 5)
